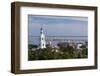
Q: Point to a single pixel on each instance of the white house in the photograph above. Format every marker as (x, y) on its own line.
(79, 45)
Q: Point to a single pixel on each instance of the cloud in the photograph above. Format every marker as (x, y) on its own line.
(58, 25)
(78, 18)
(56, 19)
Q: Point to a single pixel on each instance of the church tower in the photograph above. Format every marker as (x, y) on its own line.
(42, 39)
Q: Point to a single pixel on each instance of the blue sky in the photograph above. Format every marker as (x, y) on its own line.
(57, 25)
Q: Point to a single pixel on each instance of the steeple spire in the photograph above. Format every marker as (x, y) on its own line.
(41, 30)
(42, 39)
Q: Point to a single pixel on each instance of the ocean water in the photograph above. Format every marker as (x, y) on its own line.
(56, 39)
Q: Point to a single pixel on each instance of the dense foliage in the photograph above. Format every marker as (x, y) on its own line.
(61, 53)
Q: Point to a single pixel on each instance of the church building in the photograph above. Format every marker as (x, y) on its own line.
(42, 39)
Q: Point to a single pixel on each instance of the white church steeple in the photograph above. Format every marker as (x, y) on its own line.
(42, 39)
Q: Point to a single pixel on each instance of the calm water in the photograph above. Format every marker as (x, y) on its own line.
(56, 39)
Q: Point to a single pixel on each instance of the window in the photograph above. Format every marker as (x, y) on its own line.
(43, 44)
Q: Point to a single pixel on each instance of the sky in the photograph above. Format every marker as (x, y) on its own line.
(57, 25)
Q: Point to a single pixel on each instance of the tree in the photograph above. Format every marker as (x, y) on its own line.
(32, 46)
(50, 53)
